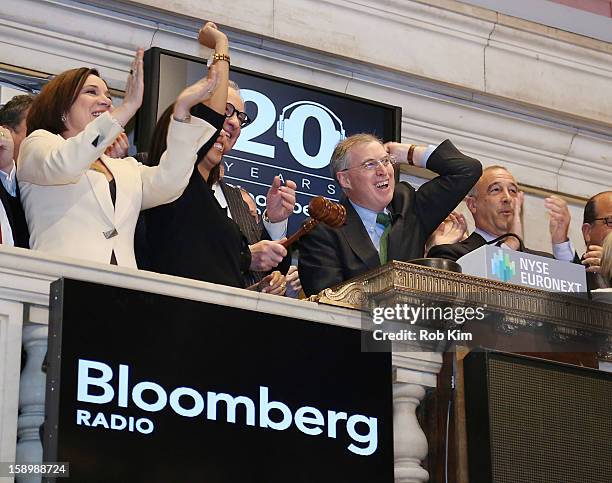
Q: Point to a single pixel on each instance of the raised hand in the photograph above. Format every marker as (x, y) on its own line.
(559, 219)
(280, 200)
(134, 90)
(6, 150)
(400, 152)
(194, 94)
(451, 230)
(210, 36)
(516, 226)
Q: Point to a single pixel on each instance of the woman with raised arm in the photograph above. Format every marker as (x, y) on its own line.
(193, 236)
(80, 202)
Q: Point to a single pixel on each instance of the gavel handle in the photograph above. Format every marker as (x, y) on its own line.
(305, 228)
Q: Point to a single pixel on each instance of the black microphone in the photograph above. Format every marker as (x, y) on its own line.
(500, 239)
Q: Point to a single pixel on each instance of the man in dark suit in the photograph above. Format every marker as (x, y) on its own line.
(597, 223)
(13, 227)
(385, 221)
(495, 203)
(279, 207)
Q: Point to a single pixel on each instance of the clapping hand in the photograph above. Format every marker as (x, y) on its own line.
(451, 230)
(516, 226)
(559, 218)
(119, 148)
(134, 90)
(280, 200)
(194, 94)
(592, 258)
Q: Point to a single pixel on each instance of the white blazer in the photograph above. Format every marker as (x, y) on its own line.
(68, 206)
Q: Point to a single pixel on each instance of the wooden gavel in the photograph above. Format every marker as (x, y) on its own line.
(321, 210)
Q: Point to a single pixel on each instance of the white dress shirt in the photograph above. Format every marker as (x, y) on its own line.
(9, 181)
(276, 230)
(561, 251)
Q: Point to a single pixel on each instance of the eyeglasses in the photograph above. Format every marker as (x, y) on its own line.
(243, 118)
(606, 219)
(371, 164)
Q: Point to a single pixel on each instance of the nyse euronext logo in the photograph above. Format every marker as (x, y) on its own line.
(99, 384)
(502, 267)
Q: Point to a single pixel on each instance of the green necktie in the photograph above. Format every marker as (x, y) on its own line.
(385, 220)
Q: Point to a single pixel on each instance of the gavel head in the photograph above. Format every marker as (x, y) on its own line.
(328, 212)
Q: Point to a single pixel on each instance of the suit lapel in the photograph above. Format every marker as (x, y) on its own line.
(474, 241)
(357, 237)
(125, 192)
(99, 186)
(401, 232)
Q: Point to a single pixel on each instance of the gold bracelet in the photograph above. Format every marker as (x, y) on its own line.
(410, 154)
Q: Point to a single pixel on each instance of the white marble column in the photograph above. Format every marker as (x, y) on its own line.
(11, 322)
(31, 398)
(408, 438)
(414, 373)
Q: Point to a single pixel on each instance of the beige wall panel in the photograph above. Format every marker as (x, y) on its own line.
(395, 36)
(550, 74)
(255, 16)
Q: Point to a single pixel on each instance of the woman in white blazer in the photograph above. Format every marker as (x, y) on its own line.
(78, 201)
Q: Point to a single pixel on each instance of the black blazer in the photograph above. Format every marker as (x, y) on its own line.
(454, 251)
(16, 217)
(193, 237)
(330, 256)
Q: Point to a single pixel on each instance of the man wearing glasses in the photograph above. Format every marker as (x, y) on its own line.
(385, 221)
(280, 198)
(495, 203)
(597, 224)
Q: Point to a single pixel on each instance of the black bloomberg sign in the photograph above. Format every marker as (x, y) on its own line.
(151, 388)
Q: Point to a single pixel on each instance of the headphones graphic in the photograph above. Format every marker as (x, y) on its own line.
(291, 130)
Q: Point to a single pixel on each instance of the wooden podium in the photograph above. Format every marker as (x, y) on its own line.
(552, 326)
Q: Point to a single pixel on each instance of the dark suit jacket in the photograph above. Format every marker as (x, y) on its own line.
(330, 256)
(252, 230)
(193, 237)
(454, 251)
(16, 217)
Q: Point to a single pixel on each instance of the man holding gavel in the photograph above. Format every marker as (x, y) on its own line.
(385, 221)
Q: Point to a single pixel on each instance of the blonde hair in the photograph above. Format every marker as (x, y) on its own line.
(606, 258)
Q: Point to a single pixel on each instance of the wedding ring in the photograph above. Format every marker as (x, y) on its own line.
(1, 134)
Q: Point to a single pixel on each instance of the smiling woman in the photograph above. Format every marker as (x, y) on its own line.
(80, 202)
